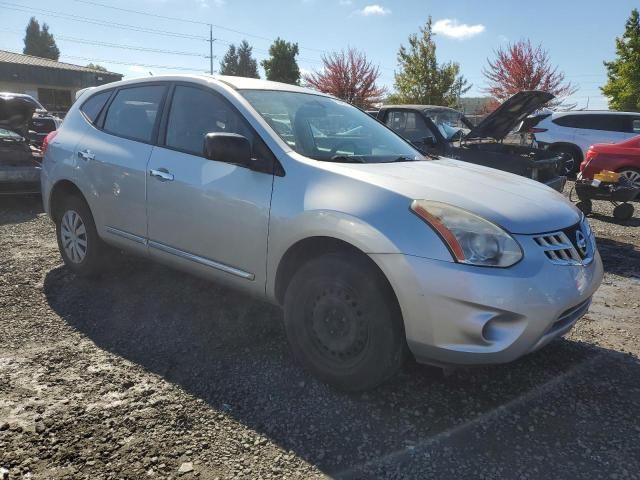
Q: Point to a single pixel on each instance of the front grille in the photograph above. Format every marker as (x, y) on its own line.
(571, 246)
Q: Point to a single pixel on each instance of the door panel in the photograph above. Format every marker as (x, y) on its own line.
(208, 216)
(114, 164)
(213, 217)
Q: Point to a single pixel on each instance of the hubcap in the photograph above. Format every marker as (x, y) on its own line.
(337, 325)
(632, 176)
(73, 235)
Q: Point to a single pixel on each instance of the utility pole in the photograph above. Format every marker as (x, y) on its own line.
(211, 49)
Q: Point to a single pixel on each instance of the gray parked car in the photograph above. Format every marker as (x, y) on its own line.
(291, 195)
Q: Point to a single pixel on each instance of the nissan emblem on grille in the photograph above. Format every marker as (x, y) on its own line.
(581, 243)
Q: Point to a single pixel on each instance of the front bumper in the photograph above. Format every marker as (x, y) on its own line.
(456, 314)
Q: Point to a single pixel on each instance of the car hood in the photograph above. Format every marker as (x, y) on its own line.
(15, 113)
(517, 204)
(508, 115)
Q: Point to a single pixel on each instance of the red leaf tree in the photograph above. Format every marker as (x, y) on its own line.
(521, 66)
(349, 76)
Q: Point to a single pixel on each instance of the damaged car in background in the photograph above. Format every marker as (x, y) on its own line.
(20, 156)
(444, 131)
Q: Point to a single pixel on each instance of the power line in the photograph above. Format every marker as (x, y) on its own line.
(147, 65)
(187, 20)
(118, 45)
(122, 26)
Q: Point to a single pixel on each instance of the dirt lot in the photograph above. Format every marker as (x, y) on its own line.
(148, 373)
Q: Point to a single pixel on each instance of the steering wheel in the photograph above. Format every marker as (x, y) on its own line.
(349, 143)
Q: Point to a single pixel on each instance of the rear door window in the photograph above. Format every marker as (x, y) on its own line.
(94, 105)
(133, 112)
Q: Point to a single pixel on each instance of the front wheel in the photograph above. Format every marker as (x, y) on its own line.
(81, 248)
(632, 175)
(343, 322)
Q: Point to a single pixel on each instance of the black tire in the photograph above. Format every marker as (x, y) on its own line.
(343, 322)
(93, 261)
(624, 211)
(585, 206)
(573, 158)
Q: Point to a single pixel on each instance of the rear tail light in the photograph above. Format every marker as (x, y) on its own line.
(47, 140)
(537, 130)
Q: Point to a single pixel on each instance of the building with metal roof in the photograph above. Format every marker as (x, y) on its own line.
(54, 84)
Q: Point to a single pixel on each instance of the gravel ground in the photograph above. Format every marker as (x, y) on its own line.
(149, 373)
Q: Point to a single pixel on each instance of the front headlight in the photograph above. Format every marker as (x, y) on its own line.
(470, 238)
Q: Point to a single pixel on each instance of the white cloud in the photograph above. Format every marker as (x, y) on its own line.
(460, 31)
(375, 9)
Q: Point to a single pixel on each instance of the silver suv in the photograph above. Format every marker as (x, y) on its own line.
(373, 250)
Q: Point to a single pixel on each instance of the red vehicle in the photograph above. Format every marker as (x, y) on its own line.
(621, 157)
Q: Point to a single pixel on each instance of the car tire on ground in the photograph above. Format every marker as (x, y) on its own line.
(82, 250)
(624, 211)
(343, 322)
(573, 158)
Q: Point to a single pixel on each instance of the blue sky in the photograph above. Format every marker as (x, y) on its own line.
(578, 34)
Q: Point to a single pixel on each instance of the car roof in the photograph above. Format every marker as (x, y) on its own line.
(236, 83)
(593, 112)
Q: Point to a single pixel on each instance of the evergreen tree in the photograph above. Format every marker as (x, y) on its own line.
(247, 65)
(39, 42)
(229, 63)
(623, 85)
(95, 66)
(421, 79)
(282, 66)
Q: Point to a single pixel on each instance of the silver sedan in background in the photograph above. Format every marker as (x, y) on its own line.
(373, 250)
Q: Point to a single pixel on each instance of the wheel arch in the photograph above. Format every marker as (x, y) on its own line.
(310, 248)
(62, 189)
(568, 145)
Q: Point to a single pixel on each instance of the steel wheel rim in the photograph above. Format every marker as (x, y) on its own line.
(337, 326)
(73, 235)
(632, 176)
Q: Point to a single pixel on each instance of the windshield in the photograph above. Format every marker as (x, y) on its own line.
(326, 129)
(451, 123)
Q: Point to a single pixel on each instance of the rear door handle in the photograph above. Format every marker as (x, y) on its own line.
(162, 174)
(86, 155)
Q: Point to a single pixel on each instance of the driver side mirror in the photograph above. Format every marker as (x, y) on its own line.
(228, 148)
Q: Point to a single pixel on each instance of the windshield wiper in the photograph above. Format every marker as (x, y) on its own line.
(344, 159)
(403, 159)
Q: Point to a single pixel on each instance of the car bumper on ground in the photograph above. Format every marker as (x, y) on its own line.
(16, 180)
(457, 314)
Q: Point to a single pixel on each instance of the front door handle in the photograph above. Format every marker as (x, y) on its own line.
(86, 154)
(162, 174)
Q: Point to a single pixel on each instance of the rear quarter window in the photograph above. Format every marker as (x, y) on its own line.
(94, 105)
(604, 122)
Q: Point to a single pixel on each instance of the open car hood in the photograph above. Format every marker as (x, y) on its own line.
(16, 112)
(508, 115)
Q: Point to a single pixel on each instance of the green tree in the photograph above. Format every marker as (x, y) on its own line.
(623, 85)
(95, 66)
(247, 65)
(239, 62)
(229, 63)
(281, 66)
(39, 42)
(421, 79)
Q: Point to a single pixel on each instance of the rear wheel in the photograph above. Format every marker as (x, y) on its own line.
(343, 322)
(624, 211)
(632, 175)
(80, 246)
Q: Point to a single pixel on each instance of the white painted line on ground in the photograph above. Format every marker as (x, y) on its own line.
(484, 418)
